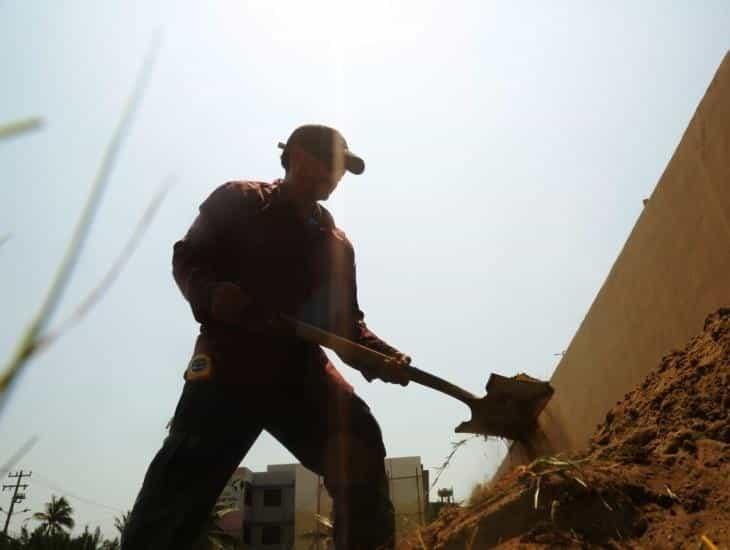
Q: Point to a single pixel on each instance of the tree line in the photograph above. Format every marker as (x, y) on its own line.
(56, 521)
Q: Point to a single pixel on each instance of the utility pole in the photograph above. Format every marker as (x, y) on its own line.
(16, 497)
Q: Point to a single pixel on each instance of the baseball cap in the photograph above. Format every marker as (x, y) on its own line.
(324, 143)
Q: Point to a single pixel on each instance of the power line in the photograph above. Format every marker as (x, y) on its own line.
(50, 484)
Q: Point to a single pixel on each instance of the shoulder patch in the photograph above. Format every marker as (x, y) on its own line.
(200, 367)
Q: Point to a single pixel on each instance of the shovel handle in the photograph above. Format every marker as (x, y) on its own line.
(371, 358)
(439, 384)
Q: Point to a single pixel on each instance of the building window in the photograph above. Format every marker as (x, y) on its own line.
(272, 497)
(247, 534)
(271, 534)
(247, 495)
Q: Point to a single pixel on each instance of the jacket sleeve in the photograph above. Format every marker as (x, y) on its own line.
(333, 304)
(359, 331)
(193, 269)
(194, 259)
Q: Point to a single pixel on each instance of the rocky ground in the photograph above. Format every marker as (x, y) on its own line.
(656, 473)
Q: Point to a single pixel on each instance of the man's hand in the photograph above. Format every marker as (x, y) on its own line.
(228, 302)
(392, 370)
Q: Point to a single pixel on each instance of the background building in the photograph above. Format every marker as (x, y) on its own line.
(287, 506)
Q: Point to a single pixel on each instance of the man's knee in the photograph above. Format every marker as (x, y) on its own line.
(179, 488)
(350, 459)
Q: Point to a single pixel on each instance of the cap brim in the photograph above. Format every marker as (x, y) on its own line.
(353, 163)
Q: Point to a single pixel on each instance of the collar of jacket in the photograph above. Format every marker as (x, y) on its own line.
(320, 215)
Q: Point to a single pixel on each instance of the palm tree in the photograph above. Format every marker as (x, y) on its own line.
(120, 522)
(57, 516)
(213, 537)
(324, 533)
(89, 540)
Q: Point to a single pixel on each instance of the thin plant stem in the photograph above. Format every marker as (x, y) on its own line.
(29, 339)
(96, 294)
(454, 447)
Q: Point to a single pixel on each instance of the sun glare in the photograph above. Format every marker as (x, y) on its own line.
(353, 27)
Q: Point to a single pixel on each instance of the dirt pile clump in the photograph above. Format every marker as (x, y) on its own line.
(656, 473)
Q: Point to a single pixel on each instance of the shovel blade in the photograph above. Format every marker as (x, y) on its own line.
(510, 408)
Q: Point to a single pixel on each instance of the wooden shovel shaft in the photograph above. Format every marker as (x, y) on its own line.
(371, 358)
(439, 384)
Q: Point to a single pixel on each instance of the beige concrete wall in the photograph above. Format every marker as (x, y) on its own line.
(311, 499)
(672, 272)
(405, 479)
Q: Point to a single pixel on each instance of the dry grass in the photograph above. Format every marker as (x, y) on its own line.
(455, 446)
(479, 493)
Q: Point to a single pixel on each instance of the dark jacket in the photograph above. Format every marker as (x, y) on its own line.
(249, 234)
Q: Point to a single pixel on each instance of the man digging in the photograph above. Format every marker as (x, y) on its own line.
(255, 251)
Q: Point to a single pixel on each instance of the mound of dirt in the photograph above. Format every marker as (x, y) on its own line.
(656, 473)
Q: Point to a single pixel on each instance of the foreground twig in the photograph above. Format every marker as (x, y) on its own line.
(454, 447)
(20, 453)
(20, 126)
(28, 341)
(470, 544)
(546, 465)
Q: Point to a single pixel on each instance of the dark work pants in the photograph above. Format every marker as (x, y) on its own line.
(316, 416)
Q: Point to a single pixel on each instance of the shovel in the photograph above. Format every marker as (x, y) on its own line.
(509, 409)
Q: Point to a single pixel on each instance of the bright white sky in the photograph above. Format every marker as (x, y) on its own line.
(508, 149)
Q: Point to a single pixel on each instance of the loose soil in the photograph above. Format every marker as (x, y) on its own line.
(656, 473)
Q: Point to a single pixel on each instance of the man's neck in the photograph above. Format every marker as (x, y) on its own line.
(304, 206)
